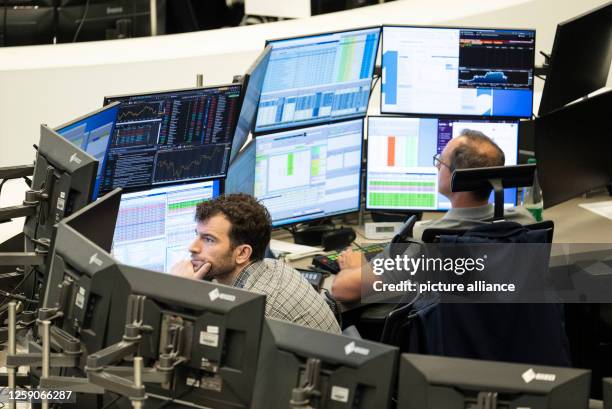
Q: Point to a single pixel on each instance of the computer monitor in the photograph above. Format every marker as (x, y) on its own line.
(92, 134)
(156, 226)
(241, 173)
(317, 78)
(572, 148)
(251, 84)
(457, 71)
(432, 382)
(104, 20)
(216, 328)
(68, 175)
(352, 373)
(400, 173)
(580, 58)
(26, 24)
(84, 282)
(171, 136)
(310, 173)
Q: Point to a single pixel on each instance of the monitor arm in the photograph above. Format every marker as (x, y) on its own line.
(300, 396)
(30, 207)
(117, 378)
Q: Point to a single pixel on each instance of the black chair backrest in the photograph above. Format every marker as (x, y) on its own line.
(433, 235)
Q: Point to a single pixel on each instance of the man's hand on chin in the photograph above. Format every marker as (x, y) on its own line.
(186, 268)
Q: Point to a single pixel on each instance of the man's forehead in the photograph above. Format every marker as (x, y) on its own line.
(217, 224)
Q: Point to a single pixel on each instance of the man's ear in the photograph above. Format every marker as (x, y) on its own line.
(243, 253)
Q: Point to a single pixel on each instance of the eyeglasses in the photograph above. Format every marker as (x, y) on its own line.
(437, 162)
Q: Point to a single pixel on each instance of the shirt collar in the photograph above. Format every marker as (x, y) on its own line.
(245, 274)
(470, 213)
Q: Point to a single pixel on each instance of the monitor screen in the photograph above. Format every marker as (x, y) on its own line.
(252, 83)
(155, 227)
(317, 78)
(580, 59)
(241, 172)
(92, 134)
(400, 170)
(171, 137)
(457, 71)
(309, 173)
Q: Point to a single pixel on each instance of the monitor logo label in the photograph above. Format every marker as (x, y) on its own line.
(74, 158)
(95, 260)
(352, 348)
(216, 294)
(79, 300)
(530, 375)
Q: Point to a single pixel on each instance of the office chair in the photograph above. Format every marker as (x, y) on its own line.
(530, 333)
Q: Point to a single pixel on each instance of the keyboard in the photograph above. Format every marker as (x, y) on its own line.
(329, 262)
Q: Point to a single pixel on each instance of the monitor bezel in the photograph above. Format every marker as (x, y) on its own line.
(185, 90)
(438, 117)
(382, 47)
(246, 81)
(106, 107)
(548, 95)
(327, 120)
(361, 165)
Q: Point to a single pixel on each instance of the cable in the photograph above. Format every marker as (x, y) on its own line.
(76, 35)
(374, 81)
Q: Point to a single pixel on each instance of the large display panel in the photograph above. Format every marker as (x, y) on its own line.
(155, 227)
(171, 137)
(318, 78)
(309, 173)
(457, 71)
(400, 170)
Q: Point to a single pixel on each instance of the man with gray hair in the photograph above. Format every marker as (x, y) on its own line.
(471, 149)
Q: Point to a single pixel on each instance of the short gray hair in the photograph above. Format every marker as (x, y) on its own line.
(473, 153)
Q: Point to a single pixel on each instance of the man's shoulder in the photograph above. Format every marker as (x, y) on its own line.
(456, 221)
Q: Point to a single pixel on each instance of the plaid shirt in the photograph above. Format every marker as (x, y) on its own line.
(289, 296)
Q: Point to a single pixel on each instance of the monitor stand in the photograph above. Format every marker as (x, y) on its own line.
(394, 217)
(323, 233)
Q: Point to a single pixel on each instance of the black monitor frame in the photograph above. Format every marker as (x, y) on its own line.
(84, 282)
(246, 87)
(346, 363)
(222, 333)
(572, 148)
(382, 47)
(361, 165)
(571, 65)
(431, 382)
(327, 121)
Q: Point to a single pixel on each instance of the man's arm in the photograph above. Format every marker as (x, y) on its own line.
(349, 281)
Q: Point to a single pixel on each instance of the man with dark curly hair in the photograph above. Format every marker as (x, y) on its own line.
(232, 234)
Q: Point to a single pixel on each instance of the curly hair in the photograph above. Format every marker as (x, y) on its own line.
(250, 221)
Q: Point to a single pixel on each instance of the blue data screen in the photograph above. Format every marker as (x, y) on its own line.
(92, 134)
